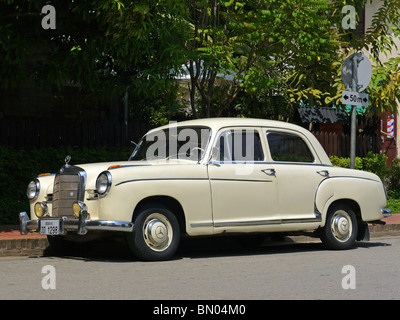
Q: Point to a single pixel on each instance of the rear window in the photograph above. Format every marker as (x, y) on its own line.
(288, 147)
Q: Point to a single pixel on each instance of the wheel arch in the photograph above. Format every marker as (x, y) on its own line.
(362, 230)
(167, 202)
(350, 203)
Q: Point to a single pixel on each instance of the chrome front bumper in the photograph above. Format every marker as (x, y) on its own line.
(81, 225)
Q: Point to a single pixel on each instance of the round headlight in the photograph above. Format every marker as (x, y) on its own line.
(33, 189)
(103, 183)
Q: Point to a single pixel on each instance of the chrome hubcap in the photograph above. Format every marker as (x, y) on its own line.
(157, 232)
(341, 226)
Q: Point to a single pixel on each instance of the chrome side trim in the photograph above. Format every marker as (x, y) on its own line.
(162, 179)
(191, 179)
(247, 223)
(317, 218)
(314, 164)
(239, 180)
(201, 224)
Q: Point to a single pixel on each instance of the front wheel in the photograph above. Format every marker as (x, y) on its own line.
(340, 230)
(155, 235)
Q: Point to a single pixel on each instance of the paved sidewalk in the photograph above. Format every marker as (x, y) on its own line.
(12, 243)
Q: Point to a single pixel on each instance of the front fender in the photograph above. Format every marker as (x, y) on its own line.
(186, 184)
(368, 194)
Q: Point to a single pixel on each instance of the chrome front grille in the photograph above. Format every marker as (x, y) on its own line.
(69, 187)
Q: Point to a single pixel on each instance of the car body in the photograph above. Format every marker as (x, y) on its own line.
(208, 177)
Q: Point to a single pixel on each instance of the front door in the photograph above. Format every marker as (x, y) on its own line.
(242, 186)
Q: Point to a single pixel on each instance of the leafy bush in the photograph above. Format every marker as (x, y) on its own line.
(394, 181)
(376, 163)
(393, 204)
(18, 167)
(345, 162)
(372, 162)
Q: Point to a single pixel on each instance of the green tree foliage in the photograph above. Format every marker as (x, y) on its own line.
(262, 46)
(103, 46)
(377, 43)
(289, 49)
(252, 50)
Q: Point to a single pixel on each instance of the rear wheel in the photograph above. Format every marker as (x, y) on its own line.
(340, 229)
(155, 235)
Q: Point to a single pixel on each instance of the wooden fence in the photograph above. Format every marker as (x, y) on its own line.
(338, 144)
(29, 133)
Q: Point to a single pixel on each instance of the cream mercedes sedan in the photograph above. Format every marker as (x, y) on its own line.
(208, 177)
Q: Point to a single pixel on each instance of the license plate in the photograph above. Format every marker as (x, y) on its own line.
(50, 227)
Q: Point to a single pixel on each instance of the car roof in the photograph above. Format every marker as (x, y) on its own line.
(217, 123)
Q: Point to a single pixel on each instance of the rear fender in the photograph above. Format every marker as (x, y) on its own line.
(368, 194)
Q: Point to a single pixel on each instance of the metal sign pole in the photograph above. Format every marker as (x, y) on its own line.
(353, 135)
(356, 75)
(353, 129)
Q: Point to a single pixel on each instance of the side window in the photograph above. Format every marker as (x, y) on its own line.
(240, 145)
(288, 147)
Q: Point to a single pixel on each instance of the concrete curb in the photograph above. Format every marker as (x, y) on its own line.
(23, 247)
(386, 230)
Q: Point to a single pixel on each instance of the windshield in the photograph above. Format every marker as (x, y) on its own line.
(187, 143)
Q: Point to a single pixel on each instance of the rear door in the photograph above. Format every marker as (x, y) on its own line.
(298, 173)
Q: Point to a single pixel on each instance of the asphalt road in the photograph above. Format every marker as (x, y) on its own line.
(209, 269)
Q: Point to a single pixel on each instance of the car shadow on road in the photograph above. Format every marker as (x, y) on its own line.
(108, 249)
(116, 250)
(220, 247)
(237, 246)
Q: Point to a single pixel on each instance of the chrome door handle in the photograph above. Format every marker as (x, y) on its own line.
(323, 173)
(270, 172)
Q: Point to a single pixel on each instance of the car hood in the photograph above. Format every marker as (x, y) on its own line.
(92, 170)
